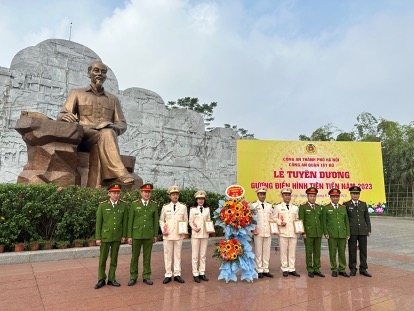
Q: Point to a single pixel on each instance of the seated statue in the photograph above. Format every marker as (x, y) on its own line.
(99, 113)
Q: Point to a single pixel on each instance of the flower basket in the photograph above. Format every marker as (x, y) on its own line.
(234, 251)
(34, 246)
(19, 247)
(78, 243)
(62, 244)
(46, 245)
(91, 243)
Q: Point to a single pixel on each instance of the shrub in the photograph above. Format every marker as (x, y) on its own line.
(49, 212)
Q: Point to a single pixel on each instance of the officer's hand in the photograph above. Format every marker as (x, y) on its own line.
(98, 242)
(197, 229)
(347, 237)
(304, 235)
(130, 241)
(154, 239)
(326, 236)
(122, 240)
(69, 117)
(369, 234)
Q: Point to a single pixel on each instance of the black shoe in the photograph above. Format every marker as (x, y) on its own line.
(343, 273)
(294, 273)
(178, 279)
(260, 275)
(197, 279)
(334, 274)
(285, 273)
(311, 274)
(203, 277)
(132, 282)
(353, 273)
(320, 274)
(268, 274)
(113, 283)
(365, 273)
(100, 284)
(166, 280)
(148, 281)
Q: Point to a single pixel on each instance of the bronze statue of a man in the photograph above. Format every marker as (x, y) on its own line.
(100, 114)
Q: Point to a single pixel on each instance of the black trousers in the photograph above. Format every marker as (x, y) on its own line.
(355, 242)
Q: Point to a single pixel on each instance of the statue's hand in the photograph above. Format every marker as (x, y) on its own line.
(103, 125)
(69, 117)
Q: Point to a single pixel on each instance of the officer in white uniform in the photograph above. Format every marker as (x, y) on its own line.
(171, 213)
(285, 214)
(199, 237)
(262, 236)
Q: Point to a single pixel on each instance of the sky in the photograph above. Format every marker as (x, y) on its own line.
(277, 68)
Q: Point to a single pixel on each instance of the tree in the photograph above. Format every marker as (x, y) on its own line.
(345, 136)
(324, 133)
(192, 103)
(366, 127)
(241, 131)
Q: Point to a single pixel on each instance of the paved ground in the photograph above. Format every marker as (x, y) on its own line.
(68, 284)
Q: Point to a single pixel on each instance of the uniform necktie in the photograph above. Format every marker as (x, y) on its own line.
(311, 205)
(263, 205)
(356, 204)
(287, 206)
(336, 205)
(201, 209)
(113, 205)
(174, 207)
(145, 203)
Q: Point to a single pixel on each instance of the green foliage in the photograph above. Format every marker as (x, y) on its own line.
(397, 142)
(241, 131)
(206, 110)
(52, 213)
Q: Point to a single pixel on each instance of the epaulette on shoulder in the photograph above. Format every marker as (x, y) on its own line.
(123, 201)
(193, 206)
(182, 203)
(104, 201)
(166, 204)
(152, 201)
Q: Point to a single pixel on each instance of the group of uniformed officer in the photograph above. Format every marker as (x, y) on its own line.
(117, 223)
(339, 223)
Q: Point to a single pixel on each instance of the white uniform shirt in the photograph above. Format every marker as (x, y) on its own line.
(170, 218)
(198, 218)
(288, 216)
(264, 215)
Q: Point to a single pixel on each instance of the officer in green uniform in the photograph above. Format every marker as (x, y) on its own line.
(336, 230)
(142, 231)
(311, 215)
(111, 230)
(360, 226)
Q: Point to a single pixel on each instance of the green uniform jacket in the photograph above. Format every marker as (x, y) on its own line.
(111, 222)
(359, 221)
(335, 221)
(143, 220)
(312, 220)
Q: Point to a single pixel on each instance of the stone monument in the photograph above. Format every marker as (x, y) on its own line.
(171, 146)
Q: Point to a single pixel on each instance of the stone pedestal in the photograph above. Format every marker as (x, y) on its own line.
(51, 150)
(53, 156)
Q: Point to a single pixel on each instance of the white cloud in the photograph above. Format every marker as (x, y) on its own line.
(265, 75)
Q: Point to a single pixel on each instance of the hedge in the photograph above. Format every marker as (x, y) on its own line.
(51, 213)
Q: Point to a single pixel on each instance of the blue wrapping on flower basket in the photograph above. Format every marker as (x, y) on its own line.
(237, 228)
(228, 271)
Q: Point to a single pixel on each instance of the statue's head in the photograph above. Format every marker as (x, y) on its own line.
(97, 73)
